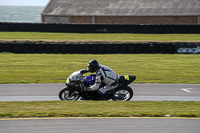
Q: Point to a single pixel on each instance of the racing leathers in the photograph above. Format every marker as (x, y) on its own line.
(104, 75)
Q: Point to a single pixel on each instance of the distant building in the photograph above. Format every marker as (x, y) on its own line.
(123, 11)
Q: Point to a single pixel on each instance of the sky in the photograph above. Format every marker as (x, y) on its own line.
(24, 2)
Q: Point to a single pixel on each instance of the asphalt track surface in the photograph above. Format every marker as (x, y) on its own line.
(142, 92)
(100, 125)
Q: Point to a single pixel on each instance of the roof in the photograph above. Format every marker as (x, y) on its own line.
(122, 7)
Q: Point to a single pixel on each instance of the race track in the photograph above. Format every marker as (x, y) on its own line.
(142, 92)
(100, 125)
(48, 92)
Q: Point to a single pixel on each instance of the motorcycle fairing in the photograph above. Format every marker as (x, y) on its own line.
(125, 80)
(90, 79)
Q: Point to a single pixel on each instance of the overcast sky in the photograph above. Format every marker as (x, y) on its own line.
(24, 2)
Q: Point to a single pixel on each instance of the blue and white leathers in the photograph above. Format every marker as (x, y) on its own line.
(105, 75)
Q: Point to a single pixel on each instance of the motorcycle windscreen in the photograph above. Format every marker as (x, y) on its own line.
(90, 79)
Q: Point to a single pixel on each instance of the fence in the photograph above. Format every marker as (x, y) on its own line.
(98, 28)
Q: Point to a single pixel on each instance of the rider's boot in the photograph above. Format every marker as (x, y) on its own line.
(102, 96)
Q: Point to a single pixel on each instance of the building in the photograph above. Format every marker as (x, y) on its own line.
(123, 11)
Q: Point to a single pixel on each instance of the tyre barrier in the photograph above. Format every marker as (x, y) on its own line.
(101, 47)
(98, 28)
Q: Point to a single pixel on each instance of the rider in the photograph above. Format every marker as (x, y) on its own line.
(104, 75)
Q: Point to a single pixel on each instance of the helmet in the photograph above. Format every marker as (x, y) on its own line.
(93, 65)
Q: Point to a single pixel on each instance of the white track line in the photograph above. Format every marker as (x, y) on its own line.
(187, 89)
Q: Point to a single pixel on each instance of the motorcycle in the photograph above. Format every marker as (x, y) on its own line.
(76, 82)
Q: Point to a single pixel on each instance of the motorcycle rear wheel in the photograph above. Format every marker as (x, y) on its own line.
(68, 94)
(126, 92)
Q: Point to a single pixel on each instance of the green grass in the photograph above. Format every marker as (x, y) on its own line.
(71, 37)
(55, 68)
(100, 109)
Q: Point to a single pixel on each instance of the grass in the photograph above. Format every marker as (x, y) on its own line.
(100, 109)
(77, 37)
(55, 68)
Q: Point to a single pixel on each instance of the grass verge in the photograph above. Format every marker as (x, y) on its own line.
(77, 37)
(55, 68)
(100, 109)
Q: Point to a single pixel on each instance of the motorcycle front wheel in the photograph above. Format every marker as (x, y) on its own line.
(123, 94)
(68, 94)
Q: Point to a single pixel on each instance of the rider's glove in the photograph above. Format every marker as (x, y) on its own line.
(84, 71)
